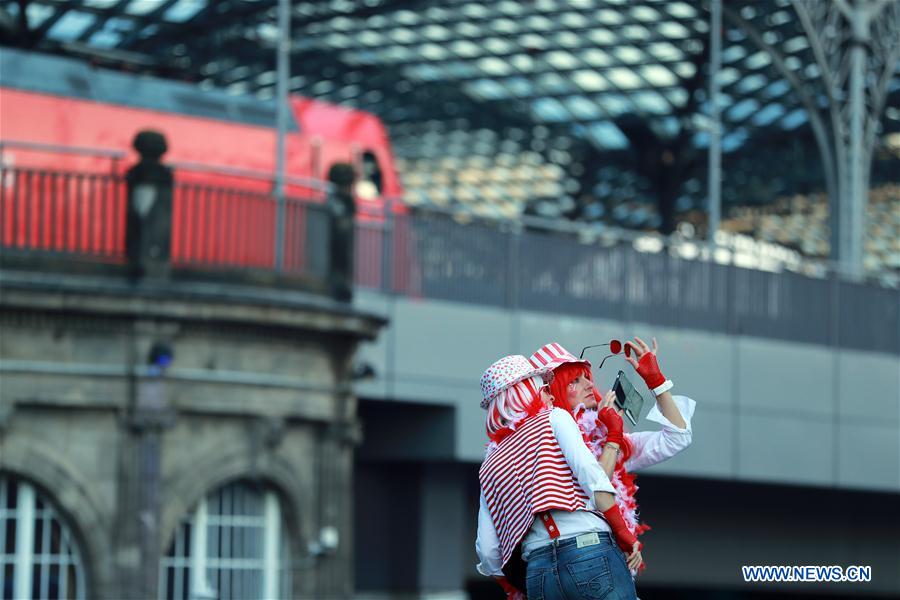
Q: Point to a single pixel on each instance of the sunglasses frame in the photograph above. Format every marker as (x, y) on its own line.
(609, 343)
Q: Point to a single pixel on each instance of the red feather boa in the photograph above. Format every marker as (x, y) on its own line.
(594, 434)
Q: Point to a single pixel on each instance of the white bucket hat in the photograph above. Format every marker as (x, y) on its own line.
(553, 355)
(507, 372)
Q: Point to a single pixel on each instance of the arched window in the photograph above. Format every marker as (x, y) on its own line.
(39, 557)
(232, 546)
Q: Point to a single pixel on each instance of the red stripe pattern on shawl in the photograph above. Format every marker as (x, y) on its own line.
(525, 475)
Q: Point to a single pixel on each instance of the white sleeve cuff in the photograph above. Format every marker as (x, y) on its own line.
(602, 485)
(662, 388)
(487, 572)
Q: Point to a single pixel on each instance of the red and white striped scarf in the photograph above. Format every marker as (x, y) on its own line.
(526, 474)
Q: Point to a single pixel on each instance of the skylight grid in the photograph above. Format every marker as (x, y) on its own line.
(71, 25)
(596, 58)
(568, 64)
(141, 7)
(583, 108)
(184, 10)
(590, 81)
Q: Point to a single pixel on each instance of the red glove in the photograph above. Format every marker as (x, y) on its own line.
(624, 538)
(648, 369)
(613, 422)
(512, 593)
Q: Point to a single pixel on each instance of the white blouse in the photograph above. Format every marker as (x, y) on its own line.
(648, 448)
(653, 447)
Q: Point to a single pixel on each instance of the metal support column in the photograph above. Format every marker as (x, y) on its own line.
(715, 127)
(283, 73)
(856, 48)
(858, 163)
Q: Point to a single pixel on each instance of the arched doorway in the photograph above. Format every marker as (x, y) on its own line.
(39, 555)
(233, 545)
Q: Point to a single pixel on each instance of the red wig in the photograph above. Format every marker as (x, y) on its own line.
(565, 374)
(512, 406)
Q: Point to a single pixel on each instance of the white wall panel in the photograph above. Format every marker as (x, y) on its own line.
(445, 339)
(779, 376)
(785, 449)
(869, 386)
(768, 410)
(869, 456)
(712, 452)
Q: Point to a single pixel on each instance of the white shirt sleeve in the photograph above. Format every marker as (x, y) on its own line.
(487, 543)
(653, 447)
(584, 465)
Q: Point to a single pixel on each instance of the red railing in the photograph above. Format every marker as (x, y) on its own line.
(63, 212)
(212, 227)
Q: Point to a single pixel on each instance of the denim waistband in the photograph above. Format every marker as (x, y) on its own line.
(569, 542)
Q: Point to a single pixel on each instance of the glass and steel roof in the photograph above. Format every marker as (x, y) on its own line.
(595, 109)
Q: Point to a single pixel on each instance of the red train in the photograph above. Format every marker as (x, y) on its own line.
(65, 143)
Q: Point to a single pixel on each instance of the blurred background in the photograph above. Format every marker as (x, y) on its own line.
(256, 255)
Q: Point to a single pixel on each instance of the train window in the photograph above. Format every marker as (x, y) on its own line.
(371, 183)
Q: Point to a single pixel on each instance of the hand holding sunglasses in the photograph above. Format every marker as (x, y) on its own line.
(644, 362)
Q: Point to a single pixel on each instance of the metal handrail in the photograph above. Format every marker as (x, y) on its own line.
(588, 233)
(56, 148)
(592, 233)
(307, 182)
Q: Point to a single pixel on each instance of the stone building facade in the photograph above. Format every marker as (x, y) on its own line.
(150, 419)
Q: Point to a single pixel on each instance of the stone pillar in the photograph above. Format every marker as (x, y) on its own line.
(148, 232)
(148, 415)
(337, 441)
(343, 212)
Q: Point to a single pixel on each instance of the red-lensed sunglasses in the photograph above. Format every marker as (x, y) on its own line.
(615, 346)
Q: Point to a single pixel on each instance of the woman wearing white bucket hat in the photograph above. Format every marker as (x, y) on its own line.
(540, 488)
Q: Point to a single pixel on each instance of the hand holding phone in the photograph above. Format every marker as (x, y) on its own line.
(628, 400)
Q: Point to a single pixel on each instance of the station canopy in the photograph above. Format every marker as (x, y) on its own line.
(591, 109)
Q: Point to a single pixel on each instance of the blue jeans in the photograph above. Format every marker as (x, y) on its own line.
(563, 571)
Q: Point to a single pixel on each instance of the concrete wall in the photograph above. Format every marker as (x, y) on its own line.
(768, 410)
(795, 458)
(415, 529)
(416, 534)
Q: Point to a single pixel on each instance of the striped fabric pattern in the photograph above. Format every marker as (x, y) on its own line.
(553, 355)
(527, 474)
(512, 405)
(524, 391)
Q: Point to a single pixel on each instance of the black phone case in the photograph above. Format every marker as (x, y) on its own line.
(628, 399)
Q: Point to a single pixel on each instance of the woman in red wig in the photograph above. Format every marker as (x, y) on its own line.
(542, 492)
(620, 454)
